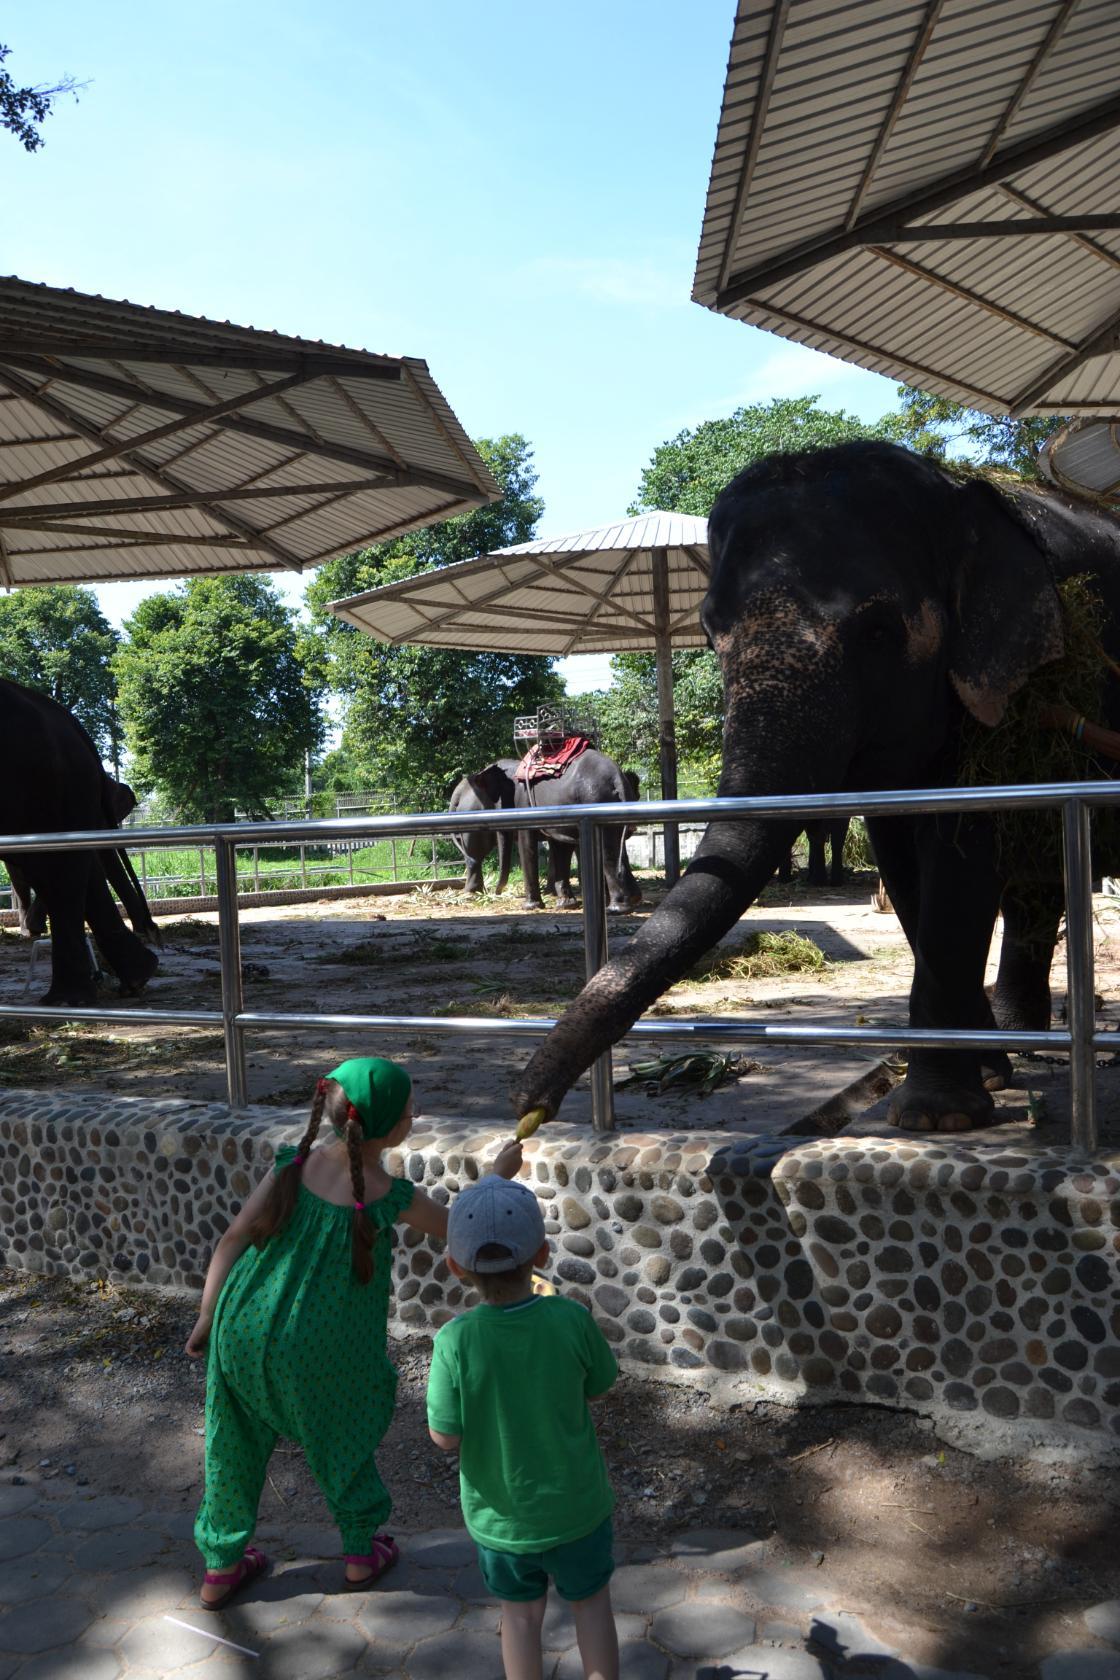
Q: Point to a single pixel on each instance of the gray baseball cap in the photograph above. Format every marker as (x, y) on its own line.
(495, 1210)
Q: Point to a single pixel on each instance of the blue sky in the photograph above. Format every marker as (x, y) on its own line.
(513, 191)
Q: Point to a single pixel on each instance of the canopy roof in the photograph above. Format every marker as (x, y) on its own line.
(927, 188)
(137, 443)
(588, 592)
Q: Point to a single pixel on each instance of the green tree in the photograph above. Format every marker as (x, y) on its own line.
(417, 717)
(59, 641)
(935, 426)
(685, 475)
(24, 109)
(217, 705)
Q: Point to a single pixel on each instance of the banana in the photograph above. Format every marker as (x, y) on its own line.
(529, 1122)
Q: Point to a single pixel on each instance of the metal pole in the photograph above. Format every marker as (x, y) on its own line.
(201, 873)
(666, 722)
(595, 953)
(229, 949)
(303, 866)
(1080, 994)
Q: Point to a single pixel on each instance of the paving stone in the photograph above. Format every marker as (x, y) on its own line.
(19, 1535)
(781, 1633)
(16, 1499)
(765, 1660)
(380, 1659)
(1081, 1665)
(177, 1525)
(136, 1593)
(98, 1513)
(469, 1586)
(782, 1588)
(76, 1664)
(841, 1635)
(33, 1576)
(467, 1656)
(401, 1618)
(1103, 1620)
(268, 1606)
(330, 1649)
(722, 1550)
(647, 1586)
(637, 1661)
(8, 1666)
(483, 1618)
(116, 1548)
(105, 1633)
(43, 1625)
(702, 1630)
(164, 1648)
(446, 1548)
(223, 1665)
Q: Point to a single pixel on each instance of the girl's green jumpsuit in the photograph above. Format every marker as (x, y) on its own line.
(298, 1349)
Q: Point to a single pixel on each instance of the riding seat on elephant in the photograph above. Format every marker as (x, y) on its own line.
(874, 614)
(57, 783)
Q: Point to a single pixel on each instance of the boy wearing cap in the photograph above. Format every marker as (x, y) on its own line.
(508, 1387)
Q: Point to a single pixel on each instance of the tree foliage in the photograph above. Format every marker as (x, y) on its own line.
(935, 426)
(418, 717)
(216, 701)
(24, 109)
(59, 641)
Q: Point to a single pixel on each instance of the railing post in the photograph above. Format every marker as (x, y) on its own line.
(595, 953)
(229, 948)
(1080, 988)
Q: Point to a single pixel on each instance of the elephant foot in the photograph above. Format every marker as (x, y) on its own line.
(133, 984)
(71, 994)
(625, 906)
(533, 904)
(920, 1106)
(996, 1072)
(568, 903)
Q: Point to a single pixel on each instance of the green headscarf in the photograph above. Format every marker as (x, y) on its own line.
(377, 1088)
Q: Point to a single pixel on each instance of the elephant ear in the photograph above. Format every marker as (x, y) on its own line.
(1006, 618)
(492, 786)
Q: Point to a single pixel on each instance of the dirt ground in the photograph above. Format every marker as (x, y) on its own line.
(982, 1564)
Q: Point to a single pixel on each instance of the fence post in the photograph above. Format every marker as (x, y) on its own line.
(393, 844)
(595, 954)
(1080, 988)
(229, 949)
(201, 873)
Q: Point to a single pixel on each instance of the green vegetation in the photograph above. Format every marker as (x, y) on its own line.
(764, 956)
(59, 642)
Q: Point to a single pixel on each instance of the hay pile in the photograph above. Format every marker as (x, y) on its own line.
(1022, 748)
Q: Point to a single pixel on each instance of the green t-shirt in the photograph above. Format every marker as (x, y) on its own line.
(514, 1383)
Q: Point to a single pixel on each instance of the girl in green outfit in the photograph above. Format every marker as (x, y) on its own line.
(294, 1311)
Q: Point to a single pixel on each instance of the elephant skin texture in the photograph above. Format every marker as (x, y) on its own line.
(864, 603)
(56, 782)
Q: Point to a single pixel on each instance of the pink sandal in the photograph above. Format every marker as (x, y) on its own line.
(248, 1568)
(382, 1555)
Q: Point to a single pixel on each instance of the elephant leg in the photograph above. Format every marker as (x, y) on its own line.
(818, 874)
(560, 868)
(530, 868)
(505, 854)
(472, 861)
(958, 896)
(61, 882)
(131, 960)
(837, 834)
(623, 890)
(785, 868)
(1021, 997)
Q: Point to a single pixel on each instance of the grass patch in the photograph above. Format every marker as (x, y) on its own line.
(764, 956)
(35, 1055)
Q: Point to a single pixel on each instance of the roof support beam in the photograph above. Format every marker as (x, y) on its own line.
(941, 195)
(898, 100)
(186, 499)
(1103, 338)
(1035, 65)
(967, 295)
(758, 124)
(305, 364)
(1094, 248)
(124, 534)
(268, 433)
(914, 233)
(58, 411)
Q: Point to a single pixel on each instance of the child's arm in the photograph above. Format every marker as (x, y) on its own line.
(446, 1443)
(426, 1215)
(231, 1246)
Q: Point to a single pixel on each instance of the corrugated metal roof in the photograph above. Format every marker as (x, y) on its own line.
(849, 126)
(139, 443)
(587, 592)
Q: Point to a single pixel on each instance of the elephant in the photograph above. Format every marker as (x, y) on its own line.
(832, 832)
(55, 781)
(476, 844)
(590, 779)
(870, 610)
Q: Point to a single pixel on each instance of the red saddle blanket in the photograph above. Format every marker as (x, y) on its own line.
(538, 765)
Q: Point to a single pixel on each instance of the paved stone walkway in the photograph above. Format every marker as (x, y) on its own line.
(87, 1584)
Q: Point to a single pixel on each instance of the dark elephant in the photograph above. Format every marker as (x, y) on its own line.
(830, 832)
(55, 781)
(590, 779)
(476, 844)
(866, 606)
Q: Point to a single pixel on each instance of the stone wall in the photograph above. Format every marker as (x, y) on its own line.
(975, 1284)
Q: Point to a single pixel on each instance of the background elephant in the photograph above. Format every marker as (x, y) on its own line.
(590, 779)
(830, 832)
(31, 908)
(55, 781)
(476, 844)
(871, 613)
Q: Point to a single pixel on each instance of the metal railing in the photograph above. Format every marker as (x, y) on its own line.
(1079, 1037)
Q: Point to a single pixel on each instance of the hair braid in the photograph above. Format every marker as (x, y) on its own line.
(361, 1231)
(284, 1189)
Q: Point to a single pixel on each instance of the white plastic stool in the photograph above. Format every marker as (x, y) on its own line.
(44, 943)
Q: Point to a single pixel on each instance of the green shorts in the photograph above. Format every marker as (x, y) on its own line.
(578, 1569)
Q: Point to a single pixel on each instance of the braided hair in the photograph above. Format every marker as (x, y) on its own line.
(361, 1229)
